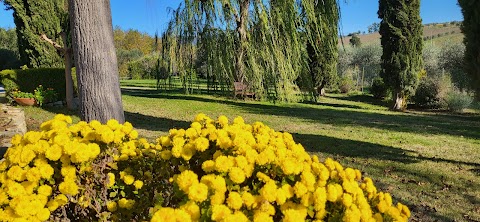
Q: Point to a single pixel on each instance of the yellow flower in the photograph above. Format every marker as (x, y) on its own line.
(281, 196)
(15, 189)
(128, 179)
(192, 209)
(186, 179)
(292, 215)
(43, 214)
(138, 184)
(191, 133)
(262, 217)
(234, 200)
(68, 187)
(188, 151)
(219, 212)
(53, 152)
(126, 203)
(238, 216)
(248, 199)
(113, 124)
(112, 206)
(69, 172)
(133, 134)
(110, 180)
(166, 154)
(269, 191)
(208, 166)
(52, 205)
(347, 200)
(198, 192)
(223, 164)
(164, 214)
(217, 198)
(223, 120)
(45, 190)
(300, 189)
(16, 173)
(33, 174)
(46, 170)
(61, 199)
(202, 144)
(236, 175)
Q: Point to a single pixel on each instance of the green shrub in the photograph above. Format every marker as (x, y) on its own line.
(29, 79)
(346, 84)
(142, 68)
(432, 91)
(427, 94)
(379, 90)
(212, 171)
(457, 101)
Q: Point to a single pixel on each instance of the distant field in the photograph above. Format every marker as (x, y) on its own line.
(428, 31)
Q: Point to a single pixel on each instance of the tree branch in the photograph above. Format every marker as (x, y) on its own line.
(54, 44)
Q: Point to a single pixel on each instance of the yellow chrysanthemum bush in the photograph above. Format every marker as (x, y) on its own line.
(249, 172)
(212, 171)
(83, 172)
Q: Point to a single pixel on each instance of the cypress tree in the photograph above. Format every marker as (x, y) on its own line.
(401, 39)
(471, 30)
(33, 18)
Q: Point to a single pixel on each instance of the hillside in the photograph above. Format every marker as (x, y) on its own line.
(437, 33)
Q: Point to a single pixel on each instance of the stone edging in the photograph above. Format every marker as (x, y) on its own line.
(13, 122)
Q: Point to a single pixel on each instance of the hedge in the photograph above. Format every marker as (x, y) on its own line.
(27, 80)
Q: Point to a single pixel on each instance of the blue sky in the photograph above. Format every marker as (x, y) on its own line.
(152, 15)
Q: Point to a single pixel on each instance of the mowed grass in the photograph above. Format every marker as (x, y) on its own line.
(429, 161)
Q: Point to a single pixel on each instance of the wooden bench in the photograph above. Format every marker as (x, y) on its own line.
(242, 90)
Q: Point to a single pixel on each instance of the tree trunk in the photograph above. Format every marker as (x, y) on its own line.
(68, 73)
(96, 61)
(242, 41)
(400, 104)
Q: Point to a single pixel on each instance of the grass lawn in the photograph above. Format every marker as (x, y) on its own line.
(428, 161)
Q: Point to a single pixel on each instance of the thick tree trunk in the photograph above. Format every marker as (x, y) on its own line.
(242, 41)
(321, 90)
(96, 61)
(400, 103)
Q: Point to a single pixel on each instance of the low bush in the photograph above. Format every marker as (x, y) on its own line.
(432, 91)
(346, 85)
(379, 90)
(427, 94)
(29, 79)
(458, 101)
(212, 171)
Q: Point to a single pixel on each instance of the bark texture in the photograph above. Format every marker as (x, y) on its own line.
(242, 44)
(96, 61)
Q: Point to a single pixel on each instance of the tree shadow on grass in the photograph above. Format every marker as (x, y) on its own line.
(467, 126)
(363, 99)
(335, 105)
(353, 148)
(141, 121)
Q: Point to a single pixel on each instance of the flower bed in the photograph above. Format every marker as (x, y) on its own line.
(214, 170)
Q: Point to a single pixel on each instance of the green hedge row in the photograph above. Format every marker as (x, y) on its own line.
(27, 80)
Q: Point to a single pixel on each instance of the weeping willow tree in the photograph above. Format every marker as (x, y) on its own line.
(268, 45)
(321, 23)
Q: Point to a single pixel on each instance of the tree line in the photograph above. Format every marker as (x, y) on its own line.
(276, 47)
